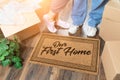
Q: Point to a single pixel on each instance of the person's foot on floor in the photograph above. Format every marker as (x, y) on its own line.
(50, 23)
(63, 24)
(89, 31)
(73, 29)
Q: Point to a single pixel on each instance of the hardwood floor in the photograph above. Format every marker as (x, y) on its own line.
(43, 72)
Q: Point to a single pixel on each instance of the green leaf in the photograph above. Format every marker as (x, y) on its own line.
(4, 41)
(2, 51)
(17, 53)
(12, 44)
(6, 62)
(17, 46)
(1, 36)
(11, 50)
(2, 58)
(5, 53)
(3, 46)
(18, 65)
(16, 59)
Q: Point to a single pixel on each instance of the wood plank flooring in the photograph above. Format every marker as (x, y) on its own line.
(43, 72)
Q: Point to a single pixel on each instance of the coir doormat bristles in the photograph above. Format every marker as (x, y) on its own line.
(73, 53)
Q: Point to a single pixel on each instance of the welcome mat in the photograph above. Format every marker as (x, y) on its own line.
(73, 53)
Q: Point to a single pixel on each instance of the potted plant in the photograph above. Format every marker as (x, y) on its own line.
(10, 53)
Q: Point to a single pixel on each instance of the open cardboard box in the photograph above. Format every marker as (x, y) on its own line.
(111, 60)
(30, 28)
(110, 26)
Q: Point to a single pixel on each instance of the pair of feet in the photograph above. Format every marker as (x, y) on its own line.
(72, 29)
(50, 23)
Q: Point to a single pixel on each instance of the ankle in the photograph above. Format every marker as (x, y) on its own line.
(89, 30)
(73, 29)
(51, 15)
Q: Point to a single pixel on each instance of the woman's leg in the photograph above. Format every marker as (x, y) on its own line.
(55, 8)
(58, 5)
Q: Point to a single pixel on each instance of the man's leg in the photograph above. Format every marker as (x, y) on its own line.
(79, 12)
(96, 12)
(78, 15)
(95, 17)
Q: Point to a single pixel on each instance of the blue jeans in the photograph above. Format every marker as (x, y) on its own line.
(79, 12)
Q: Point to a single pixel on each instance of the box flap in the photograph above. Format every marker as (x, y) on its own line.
(109, 30)
(114, 49)
(112, 11)
(30, 20)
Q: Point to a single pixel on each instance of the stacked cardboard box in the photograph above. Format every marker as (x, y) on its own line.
(110, 26)
(117, 1)
(110, 59)
(110, 33)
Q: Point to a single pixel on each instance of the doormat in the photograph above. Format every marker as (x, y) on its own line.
(67, 52)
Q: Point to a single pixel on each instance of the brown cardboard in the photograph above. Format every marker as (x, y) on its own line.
(29, 32)
(112, 11)
(111, 60)
(118, 1)
(110, 25)
(61, 51)
(110, 30)
(30, 19)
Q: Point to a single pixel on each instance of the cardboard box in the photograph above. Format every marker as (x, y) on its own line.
(110, 60)
(112, 11)
(31, 20)
(29, 32)
(117, 1)
(109, 30)
(110, 25)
